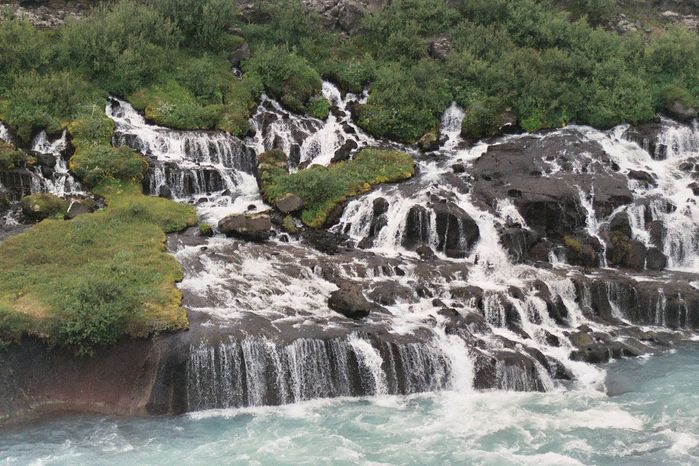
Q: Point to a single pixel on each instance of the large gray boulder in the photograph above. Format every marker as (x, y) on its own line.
(249, 226)
(349, 301)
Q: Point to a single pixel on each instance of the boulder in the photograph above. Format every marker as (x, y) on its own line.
(323, 240)
(388, 293)
(580, 339)
(679, 111)
(428, 142)
(79, 207)
(165, 191)
(344, 151)
(439, 48)
(642, 176)
(456, 230)
(657, 232)
(239, 54)
(249, 226)
(655, 259)
(349, 301)
(289, 203)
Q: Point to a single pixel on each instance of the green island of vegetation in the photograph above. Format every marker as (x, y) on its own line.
(324, 188)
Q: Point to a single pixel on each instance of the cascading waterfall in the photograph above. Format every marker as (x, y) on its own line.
(290, 347)
(212, 169)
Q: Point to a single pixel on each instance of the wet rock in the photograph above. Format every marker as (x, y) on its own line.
(46, 160)
(349, 301)
(165, 192)
(249, 226)
(426, 253)
(646, 135)
(655, 259)
(580, 339)
(389, 293)
(289, 203)
(636, 256)
(458, 168)
(518, 241)
(644, 177)
(550, 339)
(620, 223)
(79, 207)
(429, 142)
(657, 232)
(344, 151)
(456, 230)
(323, 240)
(598, 353)
(240, 54)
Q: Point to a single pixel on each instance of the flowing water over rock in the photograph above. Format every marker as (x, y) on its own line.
(456, 261)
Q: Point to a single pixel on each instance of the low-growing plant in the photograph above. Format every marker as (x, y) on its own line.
(324, 188)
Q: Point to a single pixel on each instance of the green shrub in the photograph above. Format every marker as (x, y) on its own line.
(44, 102)
(39, 206)
(319, 107)
(203, 24)
(405, 103)
(286, 76)
(94, 165)
(122, 46)
(323, 188)
(10, 157)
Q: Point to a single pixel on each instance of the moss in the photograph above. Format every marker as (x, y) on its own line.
(205, 229)
(39, 206)
(10, 157)
(573, 244)
(289, 226)
(97, 278)
(324, 188)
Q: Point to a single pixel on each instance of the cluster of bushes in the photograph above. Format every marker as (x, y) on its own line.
(548, 63)
(324, 188)
(10, 157)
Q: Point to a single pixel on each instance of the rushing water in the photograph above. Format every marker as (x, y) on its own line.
(652, 418)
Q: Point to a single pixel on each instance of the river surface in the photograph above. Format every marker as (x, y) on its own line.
(652, 418)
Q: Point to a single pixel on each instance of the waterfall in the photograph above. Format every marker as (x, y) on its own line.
(455, 309)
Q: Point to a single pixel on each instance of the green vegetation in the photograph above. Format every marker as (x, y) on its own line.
(548, 63)
(323, 188)
(43, 205)
(49, 290)
(10, 157)
(205, 229)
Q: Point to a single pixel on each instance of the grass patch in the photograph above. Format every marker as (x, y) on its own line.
(43, 205)
(127, 287)
(324, 188)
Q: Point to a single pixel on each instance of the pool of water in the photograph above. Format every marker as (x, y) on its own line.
(652, 418)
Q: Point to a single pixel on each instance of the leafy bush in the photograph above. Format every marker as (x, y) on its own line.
(203, 24)
(323, 188)
(10, 157)
(405, 103)
(319, 107)
(286, 76)
(94, 165)
(122, 46)
(39, 206)
(44, 102)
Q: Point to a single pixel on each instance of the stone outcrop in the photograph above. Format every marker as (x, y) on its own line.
(250, 226)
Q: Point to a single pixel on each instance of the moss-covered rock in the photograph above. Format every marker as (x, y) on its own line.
(206, 230)
(323, 189)
(39, 206)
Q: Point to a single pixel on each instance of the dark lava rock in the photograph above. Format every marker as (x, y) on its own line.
(620, 223)
(456, 230)
(250, 226)
(458, 168)
(580, 339)
(439, 48)
(388, 293)
(289, 203)
(642, 176)
(426, 253)
(344, 151)
(655, 259)
(165, 191)
(349, 301)
(323, 240)
(657, 232)
(241, 53)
